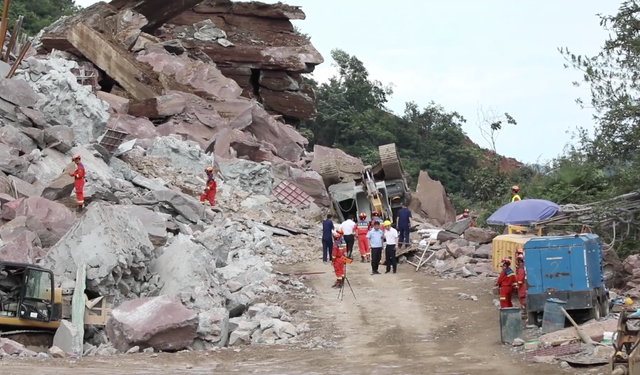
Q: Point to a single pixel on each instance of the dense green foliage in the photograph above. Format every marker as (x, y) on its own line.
(39, 13)
(353, 117)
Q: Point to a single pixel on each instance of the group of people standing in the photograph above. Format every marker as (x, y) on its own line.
(372, 236)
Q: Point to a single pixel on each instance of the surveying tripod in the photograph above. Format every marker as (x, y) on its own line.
(345, 280)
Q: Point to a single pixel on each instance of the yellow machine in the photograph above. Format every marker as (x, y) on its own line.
(626, 344)
(31, 308)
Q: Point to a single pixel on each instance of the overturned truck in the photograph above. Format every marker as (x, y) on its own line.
(355, 188)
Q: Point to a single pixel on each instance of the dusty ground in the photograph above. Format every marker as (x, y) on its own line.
(407, 323)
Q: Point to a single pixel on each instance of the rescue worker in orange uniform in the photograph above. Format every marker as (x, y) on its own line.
(339, 249)
(506, 282)
(361, 229)
(521, 279)
(514, 193)
(375, 217)
(464, 215)
(210, 191)
(78, 182)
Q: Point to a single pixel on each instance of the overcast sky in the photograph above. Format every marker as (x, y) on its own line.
(464, 54)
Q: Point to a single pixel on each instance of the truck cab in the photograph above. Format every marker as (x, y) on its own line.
(567, 268)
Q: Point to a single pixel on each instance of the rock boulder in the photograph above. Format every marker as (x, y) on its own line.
(479, 235)
(161, 323)
(434, 200)
(114, 245)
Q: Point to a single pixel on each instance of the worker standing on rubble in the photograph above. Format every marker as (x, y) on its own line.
(336, 257)
(375, 236)
(521, 279)
(391, 240)
(506, 282)
(78, 182)
(210, 190)
(464, 215)
(362, 228)
(514, 193)
(327, 240)
(404, 226)
(347, 228)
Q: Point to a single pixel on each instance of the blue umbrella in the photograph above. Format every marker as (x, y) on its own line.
(523, 212)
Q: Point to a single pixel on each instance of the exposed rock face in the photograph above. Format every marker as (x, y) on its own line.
(256, 45)
(161, 323)
(434, 200)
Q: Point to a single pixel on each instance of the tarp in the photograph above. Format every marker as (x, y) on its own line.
(523, 212)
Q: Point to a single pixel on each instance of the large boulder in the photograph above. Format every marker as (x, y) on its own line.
(182, 155)
(61, 186)
(63, 100)
(249, 176)
(479, 235)
(434, 200)
(153, 222)
(115, 247)
(160, 322)
(49, 165)
(178, 204)
(56, 218)
(25, 248)
(483, 252)
(13, 137)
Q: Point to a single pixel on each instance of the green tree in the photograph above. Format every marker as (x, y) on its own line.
(39, 13)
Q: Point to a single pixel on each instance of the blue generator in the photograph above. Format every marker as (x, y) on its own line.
(568, 268)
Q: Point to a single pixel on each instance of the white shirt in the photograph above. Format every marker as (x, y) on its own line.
(347, 227)
(391, 236)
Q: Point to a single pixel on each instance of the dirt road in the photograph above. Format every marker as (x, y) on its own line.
(404, 323)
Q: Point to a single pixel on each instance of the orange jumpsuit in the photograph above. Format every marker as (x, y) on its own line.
(521, 279)
(339, 249)
(78, 183)
(362, 228)
(210, 191)
(507, 282)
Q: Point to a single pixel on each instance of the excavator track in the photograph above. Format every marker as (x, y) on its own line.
(29, 338)
(390, 162)
(329, 172)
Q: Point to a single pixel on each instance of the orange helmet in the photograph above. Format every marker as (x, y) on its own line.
(515, 188)
(374, 213)
(339, 231)
(337, 235)
(505, 262)
(363, 215)
(75, 157)
(208, 169)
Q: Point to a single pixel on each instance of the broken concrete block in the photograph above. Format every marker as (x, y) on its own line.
(158, 322)
(65, 337)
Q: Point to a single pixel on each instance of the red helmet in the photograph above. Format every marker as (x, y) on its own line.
(75, 157)
(519, 251)
(337, 235)
(208, 169)
(520, 258)
(515, 188)
(466, 210)
(505, 262)
(363, 215)
(339, 231)
(374, 213)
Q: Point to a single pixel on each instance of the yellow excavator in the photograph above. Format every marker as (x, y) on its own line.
(31, 308)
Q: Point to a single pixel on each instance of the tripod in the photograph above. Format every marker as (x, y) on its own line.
(345, 279)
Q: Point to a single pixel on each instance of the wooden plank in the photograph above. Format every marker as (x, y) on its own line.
(136, 77)
(14, 38)
(77, 309)
(5, 22)
(16, 64)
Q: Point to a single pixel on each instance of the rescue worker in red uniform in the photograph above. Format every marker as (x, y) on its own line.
(362, 228)
(506, 282)
(210, 191)
(78, 182)
(375, 217)
(339, 249)
(465, 214)
(521, 279)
